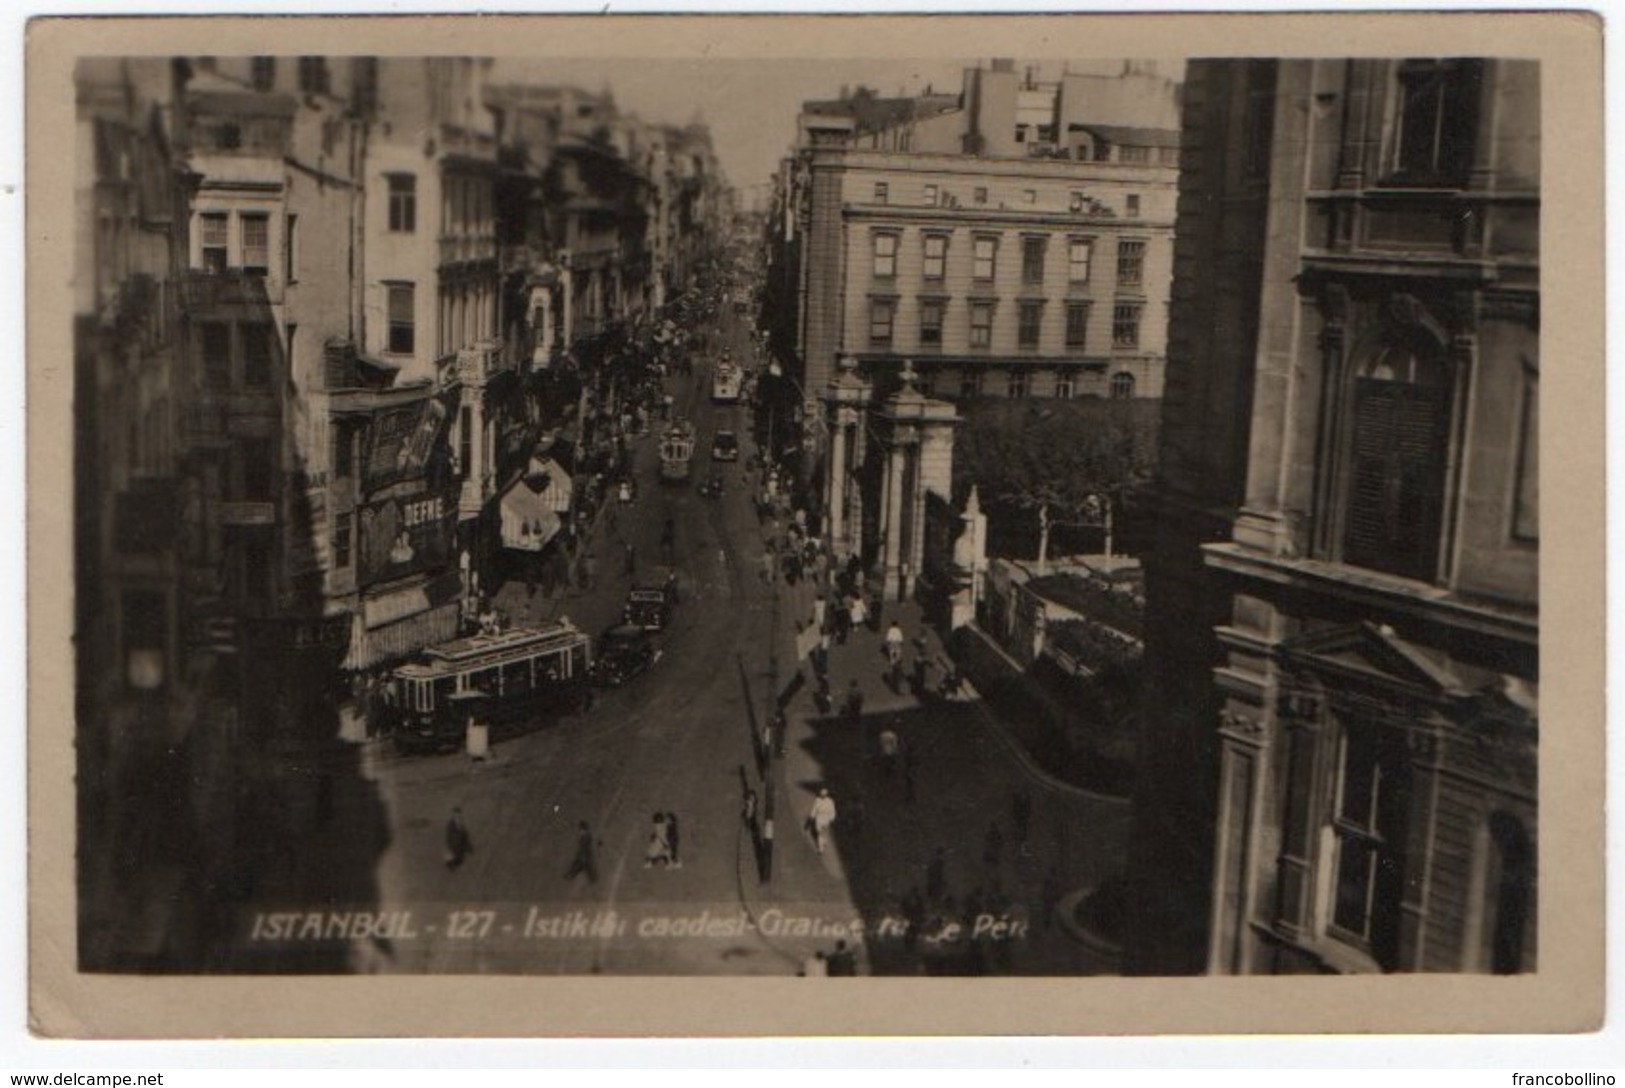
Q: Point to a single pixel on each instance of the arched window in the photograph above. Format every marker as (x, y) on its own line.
(1394, 500)
(1122, 385)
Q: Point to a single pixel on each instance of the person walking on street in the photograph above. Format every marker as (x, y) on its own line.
(459, 844)
(894, 644)
(822, 818)
(586, 859)
(815, 966)
(673, 840)
(658, 854)
(852, 708)
(857, 611)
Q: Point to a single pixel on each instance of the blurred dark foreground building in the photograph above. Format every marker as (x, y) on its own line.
(1342, 663)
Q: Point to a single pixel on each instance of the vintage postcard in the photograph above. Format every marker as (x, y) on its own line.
(586, 525)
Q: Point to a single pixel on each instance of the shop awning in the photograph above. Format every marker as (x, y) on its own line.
(401, 638)
(528, 522)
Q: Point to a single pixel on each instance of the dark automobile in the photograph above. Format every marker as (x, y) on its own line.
(648, 607)
(623, 652)
(725, 446)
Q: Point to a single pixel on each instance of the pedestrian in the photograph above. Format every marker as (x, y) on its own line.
(1021, 811)
(673, 840)
(657, 854)
(767, 565)
(936, 877)
(747, 813)
(843, 621)
(993, 846)
(671, 587)
(894, 644)
(852, 708)
(819, 604)
(815, 966)
(586, 859)
(917, 682)
(822, 818)
(857, 610)
(889, 746)
(843, 962)
(459, 844)
(913, 911)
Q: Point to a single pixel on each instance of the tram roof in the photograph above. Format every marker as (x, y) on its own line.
(479, 651)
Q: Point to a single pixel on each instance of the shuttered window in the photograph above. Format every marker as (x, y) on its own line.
(1395, 495)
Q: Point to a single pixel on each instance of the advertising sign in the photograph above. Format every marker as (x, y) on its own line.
(400, 441)
(400, 536)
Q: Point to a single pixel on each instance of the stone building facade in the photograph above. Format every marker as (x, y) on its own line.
(1351, 476)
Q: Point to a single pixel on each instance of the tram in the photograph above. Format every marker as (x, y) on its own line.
(508, 681)
(727, 380)
(677, 451)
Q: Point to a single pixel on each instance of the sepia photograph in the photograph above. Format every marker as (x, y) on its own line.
(985, 514)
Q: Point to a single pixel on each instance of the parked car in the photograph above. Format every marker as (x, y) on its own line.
(725, 446)
(623, 653)
(648, 607)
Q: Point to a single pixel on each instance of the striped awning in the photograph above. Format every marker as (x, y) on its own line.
(401, 638)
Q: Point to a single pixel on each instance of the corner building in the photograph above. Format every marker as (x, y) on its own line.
(1367, 737)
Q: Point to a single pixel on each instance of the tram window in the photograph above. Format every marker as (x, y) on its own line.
(487, 681)
(515, 677)
(443, 690)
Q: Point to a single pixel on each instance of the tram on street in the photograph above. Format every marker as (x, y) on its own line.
(677, 451)
(727, 382)
(508, 682)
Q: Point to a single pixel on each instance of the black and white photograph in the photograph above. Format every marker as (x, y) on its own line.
(949, 510)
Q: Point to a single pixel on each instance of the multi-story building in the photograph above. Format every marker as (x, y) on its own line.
(1349, 545)
(959, 235)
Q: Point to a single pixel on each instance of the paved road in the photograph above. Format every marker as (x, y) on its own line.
(679, 739)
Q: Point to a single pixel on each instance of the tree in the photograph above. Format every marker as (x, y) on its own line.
(1062, 462)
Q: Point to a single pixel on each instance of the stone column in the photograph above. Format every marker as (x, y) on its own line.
(891, 521)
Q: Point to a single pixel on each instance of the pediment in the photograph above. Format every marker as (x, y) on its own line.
(1375, 653)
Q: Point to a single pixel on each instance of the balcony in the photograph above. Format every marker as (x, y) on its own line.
(204, 291)
(467, 248)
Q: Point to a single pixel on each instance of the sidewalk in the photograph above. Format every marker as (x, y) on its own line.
(967, 778)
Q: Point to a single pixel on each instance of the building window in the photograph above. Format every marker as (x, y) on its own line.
(985, 254)
(290, 246)
(343, 534)
(931, 195)
(1126, 325)
(970, 384)
(1368, 825)
(263, 74)
(1103, 152)
(1122, 385)
(979, 194)
(364, 84)
(256, 469)
(1029, 196)
(215, 341)
(1077, 324)
(145, 615)
(343, 451)
(313, 76)
(256, 356)
(1078, 253)
(936, 256)
(1032, 260)
(256, 230)
(213, 228)
(402, 319)
(885, 263)
(882, 192)
(1130, 264)
(1438, 119)
(1066, 383)
(1395, 499)
(881, 314)
(931, 322)
(1132, 204)
(981, 324)
(403, 203)
(1019, 384)
(1030, 318)
(1135, 153)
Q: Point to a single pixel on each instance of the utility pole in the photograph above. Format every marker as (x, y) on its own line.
(772, 741)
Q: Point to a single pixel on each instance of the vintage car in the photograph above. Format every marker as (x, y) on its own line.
(623, 652)
(648, 607)
(725, 446)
